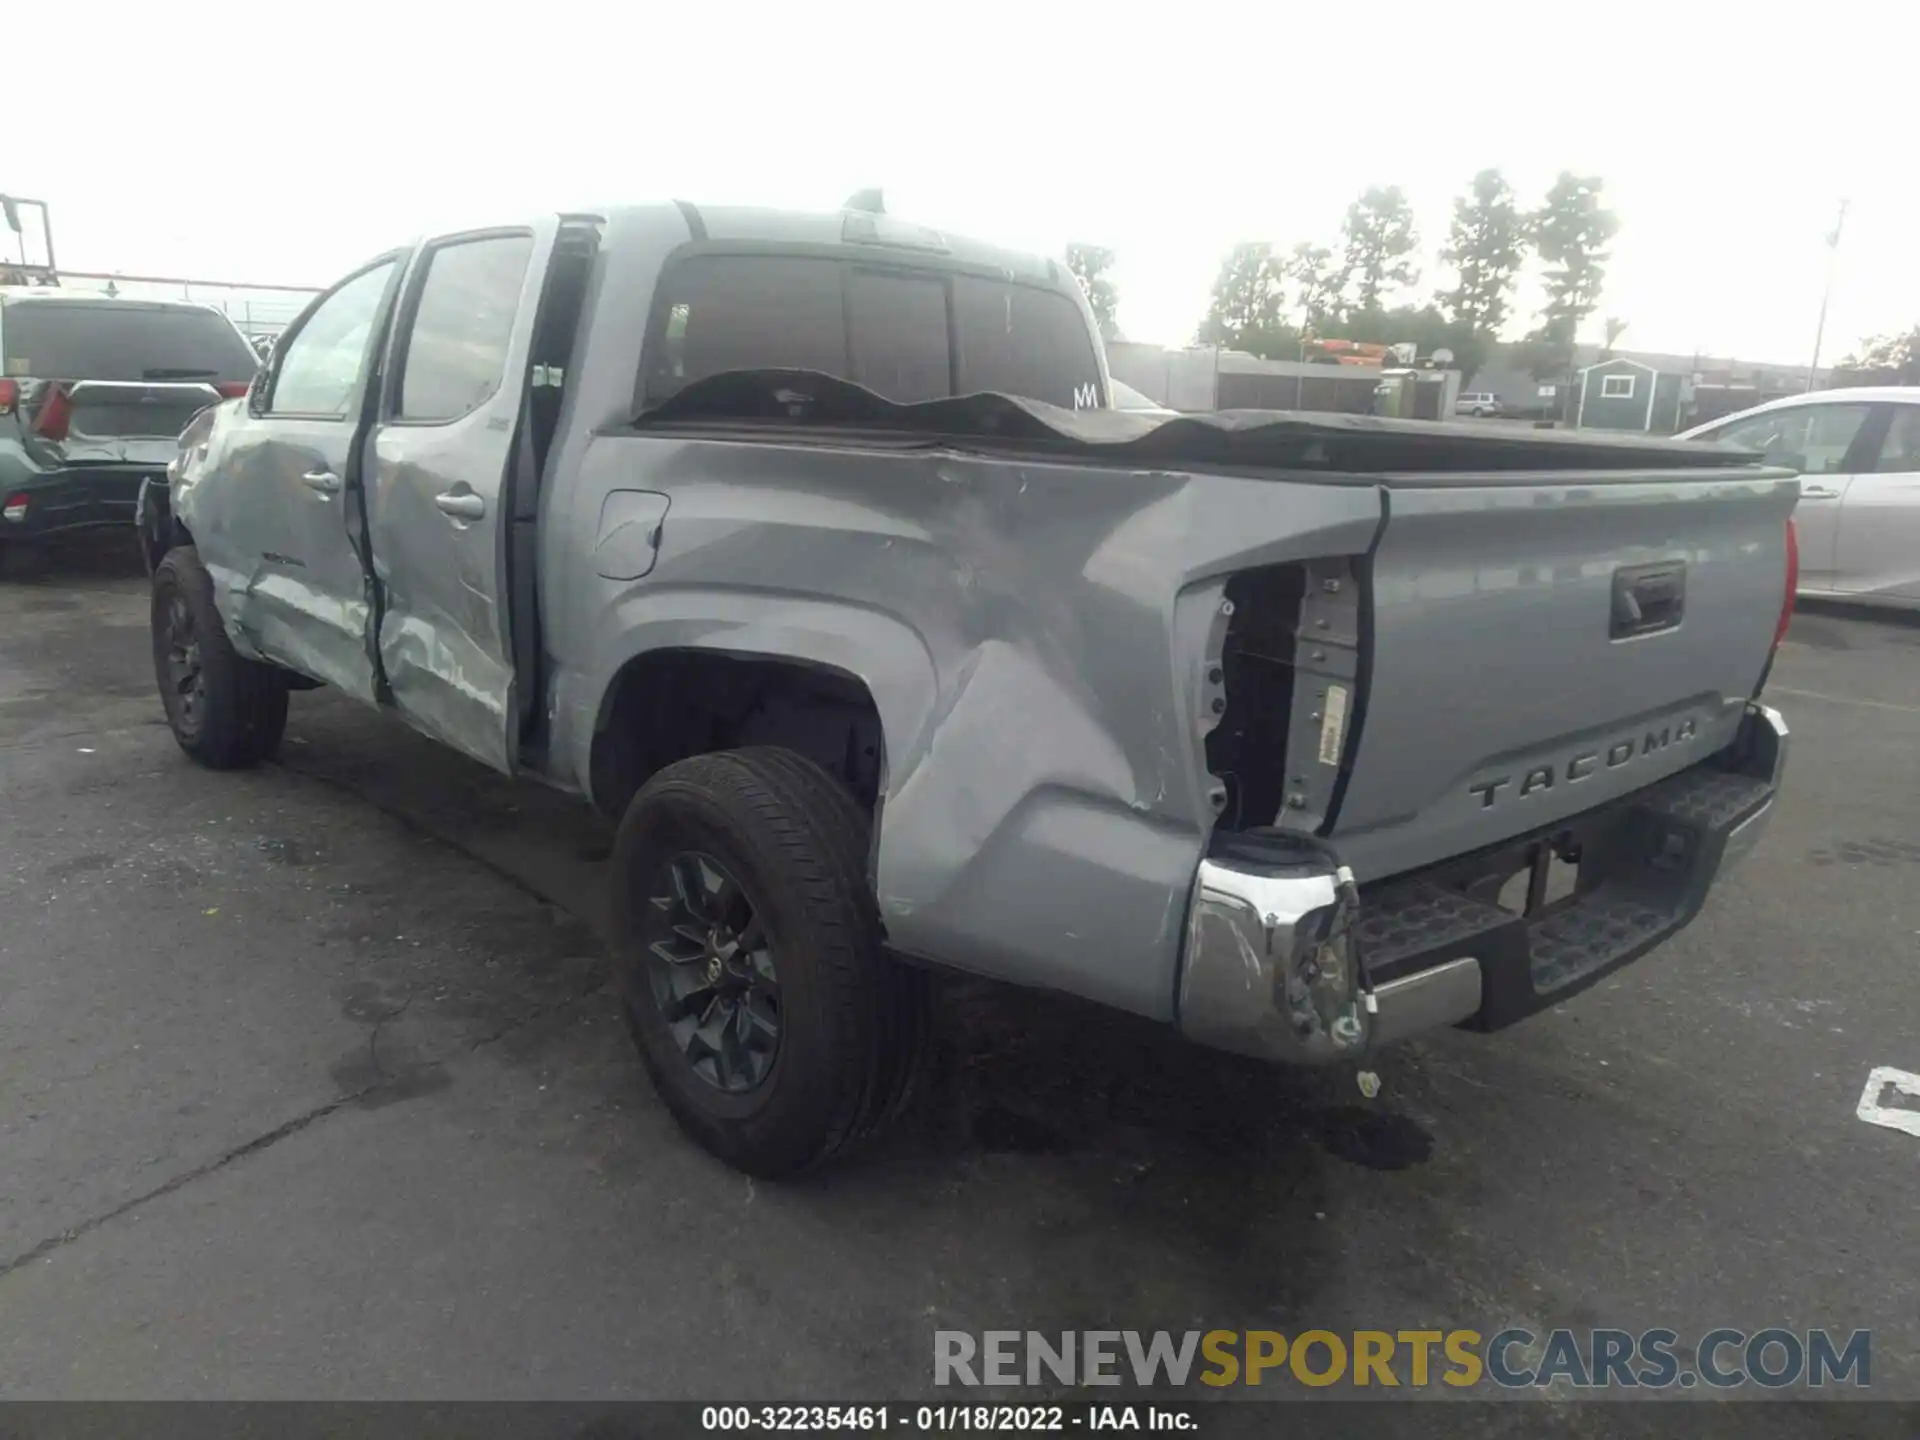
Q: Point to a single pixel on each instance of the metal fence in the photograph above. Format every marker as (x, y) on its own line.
(260, 311)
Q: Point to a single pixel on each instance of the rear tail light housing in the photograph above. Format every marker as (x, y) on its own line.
(233, 389)
(9, 396)
(1793, 584)
(15, 509)
(56, 414)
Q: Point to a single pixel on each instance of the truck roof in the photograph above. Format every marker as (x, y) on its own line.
(31, 294)
(840, 227)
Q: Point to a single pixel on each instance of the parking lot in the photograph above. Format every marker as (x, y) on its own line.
(312, 1088)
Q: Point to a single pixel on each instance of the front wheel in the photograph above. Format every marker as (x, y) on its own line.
(749, 964)
(225, 711)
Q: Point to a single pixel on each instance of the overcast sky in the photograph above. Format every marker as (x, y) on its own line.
(287, 140)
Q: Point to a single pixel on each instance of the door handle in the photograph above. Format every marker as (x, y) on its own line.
(324, 481)
(1818, 492)
(461, 504)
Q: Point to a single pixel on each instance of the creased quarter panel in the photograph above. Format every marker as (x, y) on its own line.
(1044, 809)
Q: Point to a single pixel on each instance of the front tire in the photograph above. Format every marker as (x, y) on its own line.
(749, 963)
(225, 711)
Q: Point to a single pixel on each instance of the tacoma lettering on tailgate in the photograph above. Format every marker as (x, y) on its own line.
(1587, 762)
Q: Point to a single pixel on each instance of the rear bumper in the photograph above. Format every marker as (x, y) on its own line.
(73, 498)
(1287, 960)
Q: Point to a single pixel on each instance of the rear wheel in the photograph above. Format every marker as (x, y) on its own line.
(749, 962)
(225, 711)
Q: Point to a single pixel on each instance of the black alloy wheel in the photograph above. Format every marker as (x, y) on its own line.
(184, 673)
(711, 972)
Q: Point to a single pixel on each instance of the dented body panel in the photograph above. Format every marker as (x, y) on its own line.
(1028, 632)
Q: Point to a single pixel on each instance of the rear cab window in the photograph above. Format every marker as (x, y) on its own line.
(907, 332)
(122, 340)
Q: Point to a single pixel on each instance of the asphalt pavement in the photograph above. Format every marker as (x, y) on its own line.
(310, 1086)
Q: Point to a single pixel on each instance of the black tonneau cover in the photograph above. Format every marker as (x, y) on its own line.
(796, 405)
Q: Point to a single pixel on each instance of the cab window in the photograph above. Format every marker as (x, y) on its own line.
(318, 371)
(1812, 439)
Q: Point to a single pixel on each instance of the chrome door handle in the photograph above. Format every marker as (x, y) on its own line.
(461, 504)
(1818, 492)
(325, 481)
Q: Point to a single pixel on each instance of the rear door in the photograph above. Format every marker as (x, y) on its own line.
(457, 379)
(286, 551)
(1879, 545)
(1827, 443)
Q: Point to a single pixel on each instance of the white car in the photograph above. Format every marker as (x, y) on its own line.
(1858, 454)
(1477, 403)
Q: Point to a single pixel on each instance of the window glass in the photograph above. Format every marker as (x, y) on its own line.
(899, 335)
(122, 340)
(1813, 439)
(457, 348)
(319, 368)
(747, 312)
(758, 312)
(1900, 451)
(1019, 340)
(1616, 387)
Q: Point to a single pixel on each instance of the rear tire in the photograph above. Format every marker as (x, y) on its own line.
(826, 1033)
(225, 711)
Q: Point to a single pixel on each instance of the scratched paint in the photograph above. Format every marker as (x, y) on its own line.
(1902, 1082)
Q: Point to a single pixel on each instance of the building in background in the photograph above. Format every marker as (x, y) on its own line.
(1709, 386)
(1623, 394)
(1202, 378)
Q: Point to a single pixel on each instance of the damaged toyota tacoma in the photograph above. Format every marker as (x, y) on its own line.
(810, 549)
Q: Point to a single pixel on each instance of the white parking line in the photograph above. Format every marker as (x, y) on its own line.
(1903, 1082)
(1843, 700)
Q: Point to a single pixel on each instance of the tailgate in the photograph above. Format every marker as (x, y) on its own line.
(1543, 644)
(132, 416)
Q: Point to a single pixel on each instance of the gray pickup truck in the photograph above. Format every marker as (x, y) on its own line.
(811, 549)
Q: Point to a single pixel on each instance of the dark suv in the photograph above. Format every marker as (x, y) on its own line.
(93, 393)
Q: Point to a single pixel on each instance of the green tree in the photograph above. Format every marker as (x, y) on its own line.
(1426, 327)
(1089, 264)
(1485, 246)
(1248, 296)
(1571, 232)
(1315, 301)
(1377, 242)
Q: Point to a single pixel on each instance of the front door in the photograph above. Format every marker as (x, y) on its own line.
(1825, 443)
(457, 377)
(1879, 546)
(286, 561)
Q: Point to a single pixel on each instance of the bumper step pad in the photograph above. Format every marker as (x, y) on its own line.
(1644, 873)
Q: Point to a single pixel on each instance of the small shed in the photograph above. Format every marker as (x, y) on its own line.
(1622, 394)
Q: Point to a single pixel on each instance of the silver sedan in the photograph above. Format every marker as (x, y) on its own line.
(1858, 454)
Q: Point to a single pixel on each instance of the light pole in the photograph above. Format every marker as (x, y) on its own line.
(1833, 256)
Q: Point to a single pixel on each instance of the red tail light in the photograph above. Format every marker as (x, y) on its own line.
(233, 389)
(9, 396)
(1793, 583)
(55, 415)
(15, 509)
